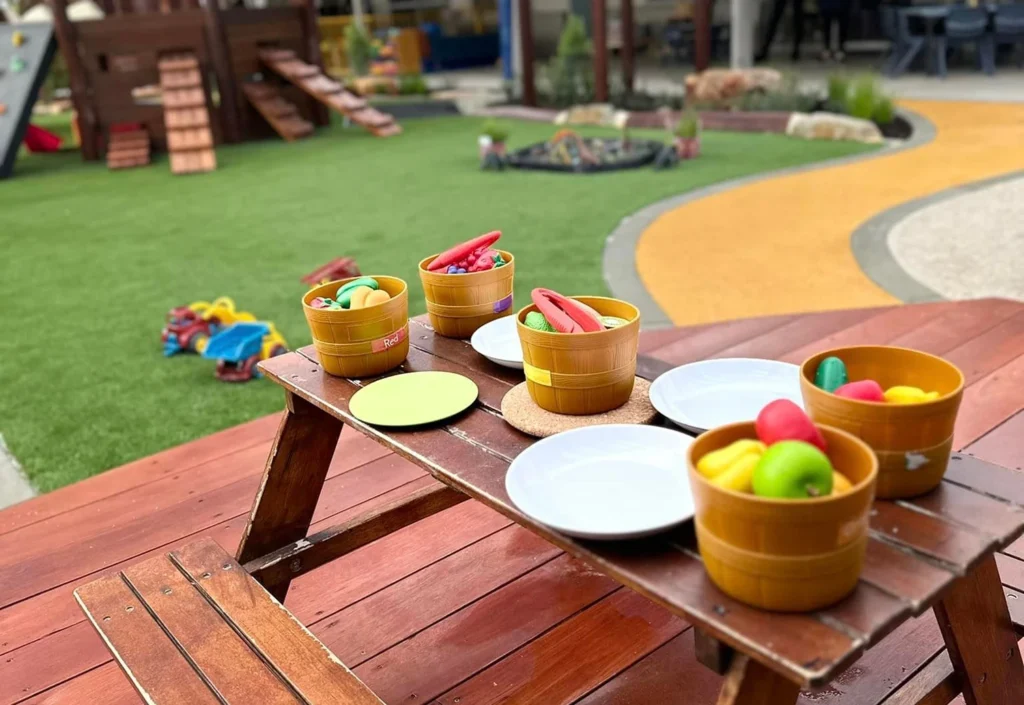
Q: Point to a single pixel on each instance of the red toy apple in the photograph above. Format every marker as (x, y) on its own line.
(782, 420)
(864, 390)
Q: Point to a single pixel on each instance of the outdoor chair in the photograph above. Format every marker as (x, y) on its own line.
(906, 45)
(1009, 29)
(967, 25)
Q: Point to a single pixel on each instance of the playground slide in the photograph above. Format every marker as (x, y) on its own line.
(186, 117)
(312, 81)
(26, 51)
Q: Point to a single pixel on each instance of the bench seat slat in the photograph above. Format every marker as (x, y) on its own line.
(238, 674)
(156, 668)
(308, 666)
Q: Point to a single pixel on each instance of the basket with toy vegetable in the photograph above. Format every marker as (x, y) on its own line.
(467, 286)
(579, 353)
(782, 508)
(360, 325)
(901, 402)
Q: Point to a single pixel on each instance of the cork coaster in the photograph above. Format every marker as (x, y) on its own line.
(523, 413)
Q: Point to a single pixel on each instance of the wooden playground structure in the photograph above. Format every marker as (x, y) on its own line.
(224, 76)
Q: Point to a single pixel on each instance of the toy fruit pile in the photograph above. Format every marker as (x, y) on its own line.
(832, 377)
(474, 255)
(560, 314)
(358, 293)
(787, 461)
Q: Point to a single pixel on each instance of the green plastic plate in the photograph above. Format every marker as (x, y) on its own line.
(413, 399)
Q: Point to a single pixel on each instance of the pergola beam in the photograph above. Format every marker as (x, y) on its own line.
(599, 12)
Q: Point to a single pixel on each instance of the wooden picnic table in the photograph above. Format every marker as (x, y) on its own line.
(935, 551)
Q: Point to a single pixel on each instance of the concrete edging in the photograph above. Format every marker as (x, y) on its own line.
(619, 259)
(14, 486)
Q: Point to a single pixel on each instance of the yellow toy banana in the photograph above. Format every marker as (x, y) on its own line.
(718, 461)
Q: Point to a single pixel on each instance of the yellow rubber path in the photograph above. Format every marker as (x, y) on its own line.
(783, 245)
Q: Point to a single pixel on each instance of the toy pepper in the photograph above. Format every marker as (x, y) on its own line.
(564, 314)
(468, 255)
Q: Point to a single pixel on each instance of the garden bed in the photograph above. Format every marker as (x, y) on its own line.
(570, 155)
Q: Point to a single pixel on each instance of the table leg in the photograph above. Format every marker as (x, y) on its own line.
(979, 635)
(746, 681)
(292, 480)
(750, 683)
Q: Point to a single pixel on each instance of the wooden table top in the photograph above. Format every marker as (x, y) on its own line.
(917, 548)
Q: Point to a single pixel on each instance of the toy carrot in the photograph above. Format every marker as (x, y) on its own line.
(477, 246)
(564, 314)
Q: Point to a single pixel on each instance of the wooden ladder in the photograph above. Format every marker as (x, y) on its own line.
(281, 114)
(128, 148)
(314, 83)
(186, 116)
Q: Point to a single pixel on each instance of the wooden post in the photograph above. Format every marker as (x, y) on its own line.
(220, 54)
(750, 683)
(628, 68)
(526, 52)
(311, 39)
(81, 95)
(600, 19)
(975, 624)
(702, 34)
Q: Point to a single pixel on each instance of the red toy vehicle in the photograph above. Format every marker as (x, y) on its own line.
(188, 328)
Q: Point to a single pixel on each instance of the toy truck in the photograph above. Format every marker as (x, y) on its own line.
(239, 348)
(188, 328)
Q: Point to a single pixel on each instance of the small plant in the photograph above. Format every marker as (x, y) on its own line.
(885, 111)
(838, 89)
(412, 84)
(861, 98)
(688, 127)
(359, 47)
(571, 73)
(495, 131)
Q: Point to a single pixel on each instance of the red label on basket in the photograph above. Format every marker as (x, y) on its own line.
(503, 305)
(389, 342)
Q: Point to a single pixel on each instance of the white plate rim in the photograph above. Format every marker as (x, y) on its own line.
(653, 392)
(477, 336)
(610, 535)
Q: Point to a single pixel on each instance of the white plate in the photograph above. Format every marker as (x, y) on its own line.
(712, 393)
(498, 341)
(605, 482)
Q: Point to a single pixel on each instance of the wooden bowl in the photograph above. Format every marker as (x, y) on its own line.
(582, 373)
(912, 441)
(458, 304)
(364, 342)
(788, 555)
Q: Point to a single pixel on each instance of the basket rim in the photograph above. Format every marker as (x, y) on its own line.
(634, 319)
(306, 298)
(807, 377)
(781, 502)
(462, 277)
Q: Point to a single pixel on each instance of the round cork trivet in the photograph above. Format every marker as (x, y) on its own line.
(523, 413)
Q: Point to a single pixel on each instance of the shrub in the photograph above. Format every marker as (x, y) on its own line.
(359, 48)
(412, 84)
(497, 132)
(862, 98)
(570, 73)
(864, 93)
(689, 126)
(885, 111)
(838, 89)
(788, 97)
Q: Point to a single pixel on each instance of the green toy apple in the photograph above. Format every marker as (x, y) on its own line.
(793, 470)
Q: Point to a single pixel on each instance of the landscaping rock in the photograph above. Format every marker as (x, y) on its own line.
(667, 158)
(598, 114)
(829, 126)
(492, 162)
(717, 86)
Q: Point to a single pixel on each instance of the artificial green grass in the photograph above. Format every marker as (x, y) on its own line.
(91, 261)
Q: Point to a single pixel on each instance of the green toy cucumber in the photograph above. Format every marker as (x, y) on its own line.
(536, 320)
(831, 374)
(344, 296)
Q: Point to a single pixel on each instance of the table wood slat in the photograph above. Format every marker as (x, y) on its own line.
(955, 546)
(422, 337)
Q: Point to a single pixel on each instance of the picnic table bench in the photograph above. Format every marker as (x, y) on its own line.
(196, 618)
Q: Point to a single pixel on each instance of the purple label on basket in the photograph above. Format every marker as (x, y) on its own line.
(504, 305)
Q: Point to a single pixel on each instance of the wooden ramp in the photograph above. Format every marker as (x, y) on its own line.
(313, 82)
(281, 114)
(465, 608)
(186, 116)
(127, 149)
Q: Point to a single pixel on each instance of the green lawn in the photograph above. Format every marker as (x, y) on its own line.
(92, 260)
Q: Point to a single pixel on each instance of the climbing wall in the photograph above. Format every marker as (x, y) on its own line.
(329, 92)
(186, 116)
(26, 51)
(282, 115)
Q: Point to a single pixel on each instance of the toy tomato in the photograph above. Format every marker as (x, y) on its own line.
(782, 420)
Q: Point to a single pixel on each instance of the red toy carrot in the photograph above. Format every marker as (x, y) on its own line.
(564, 314)
(461, 252)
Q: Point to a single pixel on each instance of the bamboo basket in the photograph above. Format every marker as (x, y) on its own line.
(582, 373)
(912, 441)
(787, 555)
(364, 342)
(458, 304)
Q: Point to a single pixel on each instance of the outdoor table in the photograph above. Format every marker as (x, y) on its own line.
(934, 551)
